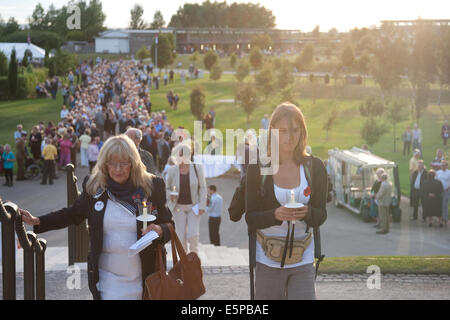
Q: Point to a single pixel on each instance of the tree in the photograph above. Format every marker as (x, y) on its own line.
(12, 74)
(166, 50)
(136, 20)
(372, 131)
(210, 59)
(363, 65)
(197, 103)
(348, 57)
(3, 64)
(93, 18)
(158, 21)
(143, 53)
(27, 56)
(38, 19)
(265, 80)
(289, 94)
(194, 57)
(396, 112)
(233, 60)
(44, 39)
(284, 74)
(11, 26)
(256, 58)
(221, 15)
(64, 62)
(243, 70)
(247, 96)
(422, 67)
(331, 119)
(389, 51)
(305, 60)
(262, 41)
(216, 72)
(372, 107)
(443, 61)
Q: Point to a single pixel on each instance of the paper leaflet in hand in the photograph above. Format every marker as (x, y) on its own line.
(195, 209)
(142, 243)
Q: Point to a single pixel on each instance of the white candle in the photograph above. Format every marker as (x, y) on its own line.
(292, 196)
(144, 215)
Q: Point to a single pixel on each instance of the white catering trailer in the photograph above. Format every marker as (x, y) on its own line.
(352, 173)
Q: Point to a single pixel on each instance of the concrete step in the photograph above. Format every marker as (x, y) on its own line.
(56, 258)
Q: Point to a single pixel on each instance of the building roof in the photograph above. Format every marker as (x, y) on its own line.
(21, 47)
(360, 157)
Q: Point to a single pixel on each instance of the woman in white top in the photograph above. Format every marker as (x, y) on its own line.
(85, 140)
(284, 250)
(110, 198)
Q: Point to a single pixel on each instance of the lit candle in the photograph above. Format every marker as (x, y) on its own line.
(292, 196)
(144, 214)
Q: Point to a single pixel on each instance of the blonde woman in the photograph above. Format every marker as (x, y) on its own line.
(187, 179)
(109, 201)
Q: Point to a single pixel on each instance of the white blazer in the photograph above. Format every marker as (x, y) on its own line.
(198, 195)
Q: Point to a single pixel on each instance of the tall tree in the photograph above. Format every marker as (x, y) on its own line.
(11, 26)
(247, 96)
(396, 112)
(305, 60)
(3, 64)
(37, 20)
(210, 59)
(12, 74)
(348, 57)
(136, 20)
(389, 52)
(443, 60)
(265, 80)
(197, 100)
(166, 50)
(256, 58)
(158, 21)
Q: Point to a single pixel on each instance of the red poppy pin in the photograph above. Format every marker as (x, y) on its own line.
(307, 191)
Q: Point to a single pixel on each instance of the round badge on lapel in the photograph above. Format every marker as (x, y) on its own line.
(99, 205)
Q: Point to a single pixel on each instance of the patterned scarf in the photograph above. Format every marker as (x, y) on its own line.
(126, 193)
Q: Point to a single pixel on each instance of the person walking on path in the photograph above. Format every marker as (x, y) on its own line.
(413, 163)
(92, 153)
(215, 205)
(35, 142)
(136, 136)
(432, 198)
(419, 176)
(417, 138)
(188, 180)
(384, 199)
(8, 165)
(445, 132)
(443, 176)
(65, 146)
(374, 210)
(21, 156)
(49, 154)
(85, 140)
(407, 139)
(109, 202)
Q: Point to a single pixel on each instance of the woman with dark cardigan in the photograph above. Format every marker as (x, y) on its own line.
(283, 269)
(109, 201)
(432, 198)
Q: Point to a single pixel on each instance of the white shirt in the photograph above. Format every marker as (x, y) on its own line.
(120, 276)
(444, 178)
(283, 196)
(64, 113)
(417, 182)
(417, 135)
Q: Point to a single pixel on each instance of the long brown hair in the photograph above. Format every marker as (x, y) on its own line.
(289, 111)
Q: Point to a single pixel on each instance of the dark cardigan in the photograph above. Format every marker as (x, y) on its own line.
(260, 209)
(84, 208)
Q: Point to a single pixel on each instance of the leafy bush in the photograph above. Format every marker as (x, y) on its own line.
(216, 72)
(210, 59)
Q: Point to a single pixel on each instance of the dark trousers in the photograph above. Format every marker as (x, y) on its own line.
(9, 177)
(214, 224)
(406, 147)
(49, 168)
(416, 200)
(92, 165)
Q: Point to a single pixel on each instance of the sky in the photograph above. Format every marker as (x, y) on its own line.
(290, 14)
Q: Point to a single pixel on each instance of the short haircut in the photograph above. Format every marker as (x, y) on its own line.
(212, 187)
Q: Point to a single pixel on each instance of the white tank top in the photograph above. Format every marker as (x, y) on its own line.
(283, 196)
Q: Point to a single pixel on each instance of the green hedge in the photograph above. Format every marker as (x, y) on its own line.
(26, 85)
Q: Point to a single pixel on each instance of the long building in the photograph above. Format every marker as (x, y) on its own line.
(189, 39)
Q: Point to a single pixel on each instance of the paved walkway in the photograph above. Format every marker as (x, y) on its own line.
(232, 283)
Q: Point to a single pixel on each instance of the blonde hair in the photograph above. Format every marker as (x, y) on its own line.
(290, 112)
(125, 148)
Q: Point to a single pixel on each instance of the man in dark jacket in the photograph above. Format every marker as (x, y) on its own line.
(417, 180)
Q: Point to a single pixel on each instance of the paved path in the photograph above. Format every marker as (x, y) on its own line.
(343, 234)
(232, 283)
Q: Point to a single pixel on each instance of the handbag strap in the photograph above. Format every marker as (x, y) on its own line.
(177, 247)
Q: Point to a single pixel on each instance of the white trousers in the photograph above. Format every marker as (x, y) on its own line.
(84, 157)
(187, 226)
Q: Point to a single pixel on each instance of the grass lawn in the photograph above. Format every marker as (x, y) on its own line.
(344, 134)
(387, 264)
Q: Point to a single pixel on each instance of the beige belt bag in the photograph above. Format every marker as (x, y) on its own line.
(274, 246)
